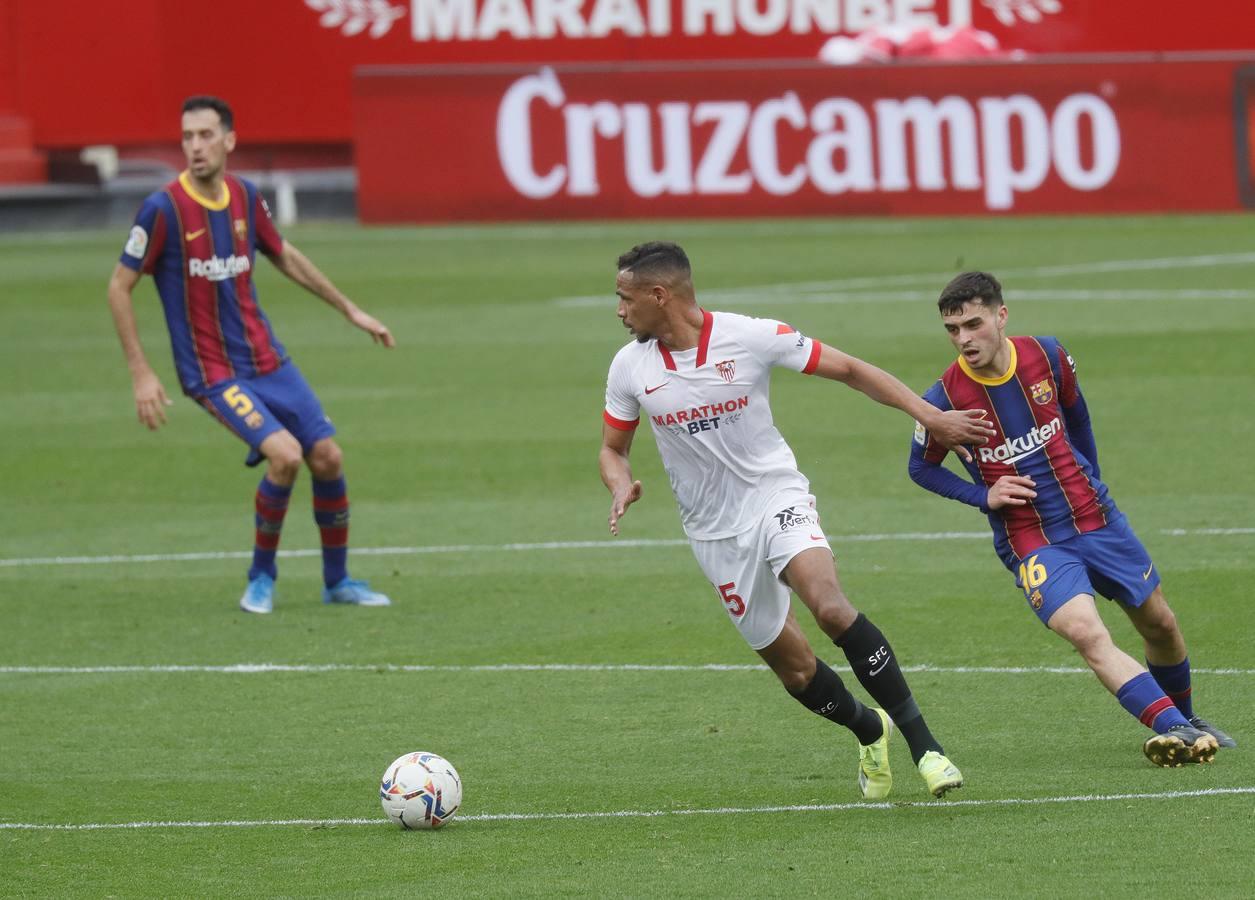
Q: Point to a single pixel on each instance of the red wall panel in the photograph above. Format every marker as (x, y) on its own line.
(86, 72)
(774, 139)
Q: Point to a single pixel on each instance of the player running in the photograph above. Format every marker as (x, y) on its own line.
(1055, 526)
(198, 238)
(701, 379)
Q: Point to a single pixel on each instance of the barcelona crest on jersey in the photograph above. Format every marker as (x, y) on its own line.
(1043, 393)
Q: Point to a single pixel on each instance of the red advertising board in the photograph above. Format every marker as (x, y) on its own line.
(776, 139)
(86, 72)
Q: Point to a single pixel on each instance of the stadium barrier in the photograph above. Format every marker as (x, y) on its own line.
(750, 139)
(287, 66)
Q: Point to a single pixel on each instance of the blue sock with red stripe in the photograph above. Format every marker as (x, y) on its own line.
(331, 513)
(270, 506)
(1145, 700)
(1175, 681)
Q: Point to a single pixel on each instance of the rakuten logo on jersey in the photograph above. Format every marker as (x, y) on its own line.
(849, 146)
(218, 268)
(1015, 449)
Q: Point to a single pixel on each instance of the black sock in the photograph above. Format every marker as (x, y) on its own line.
(826, 696)
(877, 671)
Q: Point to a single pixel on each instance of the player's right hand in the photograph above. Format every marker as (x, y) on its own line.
(150, 400)
(956, 428)
(623, 498)
(1010, 490)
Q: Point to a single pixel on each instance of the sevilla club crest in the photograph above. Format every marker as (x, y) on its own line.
(1043, 393)
(727, 370)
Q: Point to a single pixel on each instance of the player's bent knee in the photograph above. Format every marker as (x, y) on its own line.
(1090, 638)
(326, 460)
(835, 615)
(283, 453)
(1164, 622)
(790, 658)
(795, 678)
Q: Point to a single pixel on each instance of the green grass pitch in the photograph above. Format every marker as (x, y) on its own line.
(478, 434)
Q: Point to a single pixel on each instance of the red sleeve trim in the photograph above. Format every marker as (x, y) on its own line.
(813, 363)
(620, 424)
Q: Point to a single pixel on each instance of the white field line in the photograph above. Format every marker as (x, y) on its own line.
(810, 294)
(270, 668)
(530, 547)
(840, 297)
(648, 813)
(935, 280)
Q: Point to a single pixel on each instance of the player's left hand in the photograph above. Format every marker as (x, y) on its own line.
(956, 428)
(623, 498)
(377, 330)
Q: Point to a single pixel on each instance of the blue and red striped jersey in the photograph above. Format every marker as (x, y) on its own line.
(201, 255)
(1030, 407)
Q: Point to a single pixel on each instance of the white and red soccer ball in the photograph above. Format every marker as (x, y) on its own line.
(420, 790)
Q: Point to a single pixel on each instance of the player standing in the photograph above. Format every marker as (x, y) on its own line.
(702, 380)
(1054, 524)
(198, 238)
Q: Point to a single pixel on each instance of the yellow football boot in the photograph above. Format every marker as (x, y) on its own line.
(874, 777)
(939, 773)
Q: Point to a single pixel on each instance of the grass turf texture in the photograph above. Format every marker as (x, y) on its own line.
(481, 428)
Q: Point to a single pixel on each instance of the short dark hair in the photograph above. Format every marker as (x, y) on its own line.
(657, 258)
(970, 287)
(217, 104)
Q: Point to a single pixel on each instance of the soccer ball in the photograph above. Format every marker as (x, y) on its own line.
(420, 790)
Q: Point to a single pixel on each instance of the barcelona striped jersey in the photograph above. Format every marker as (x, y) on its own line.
(201, 254)
(1042, 431)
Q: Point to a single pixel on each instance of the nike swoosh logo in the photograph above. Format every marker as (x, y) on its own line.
(193, 235)
(817, 537)
(650, 390)
(881, 669)
(1146, 574)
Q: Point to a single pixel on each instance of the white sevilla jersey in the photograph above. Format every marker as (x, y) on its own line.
(709, 409)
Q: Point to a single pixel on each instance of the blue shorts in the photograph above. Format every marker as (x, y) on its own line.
(255, 408)
(1110, 561)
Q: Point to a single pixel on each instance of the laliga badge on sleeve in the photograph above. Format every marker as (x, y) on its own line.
(921, 434)
(137, 243)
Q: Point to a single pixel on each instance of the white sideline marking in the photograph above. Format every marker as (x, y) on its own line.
(530, 547)
(841, 297)
(1178, 532)
(935, 281)
(645, 813)
(357, 551)
(268, 668)
(810, 294)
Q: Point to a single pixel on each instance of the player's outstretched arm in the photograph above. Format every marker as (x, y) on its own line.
(150, 396)
(953, 429)
(297, 266)
(616, 473)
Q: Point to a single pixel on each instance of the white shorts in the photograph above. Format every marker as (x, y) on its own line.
(745, 569)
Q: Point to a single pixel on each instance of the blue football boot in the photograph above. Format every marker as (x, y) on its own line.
(358, 593)
(259, 596)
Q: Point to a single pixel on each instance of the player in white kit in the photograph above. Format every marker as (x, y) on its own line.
(701, 380)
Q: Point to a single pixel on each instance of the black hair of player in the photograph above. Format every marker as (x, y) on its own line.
(217, 104)
(970, 287)
(656, 258)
